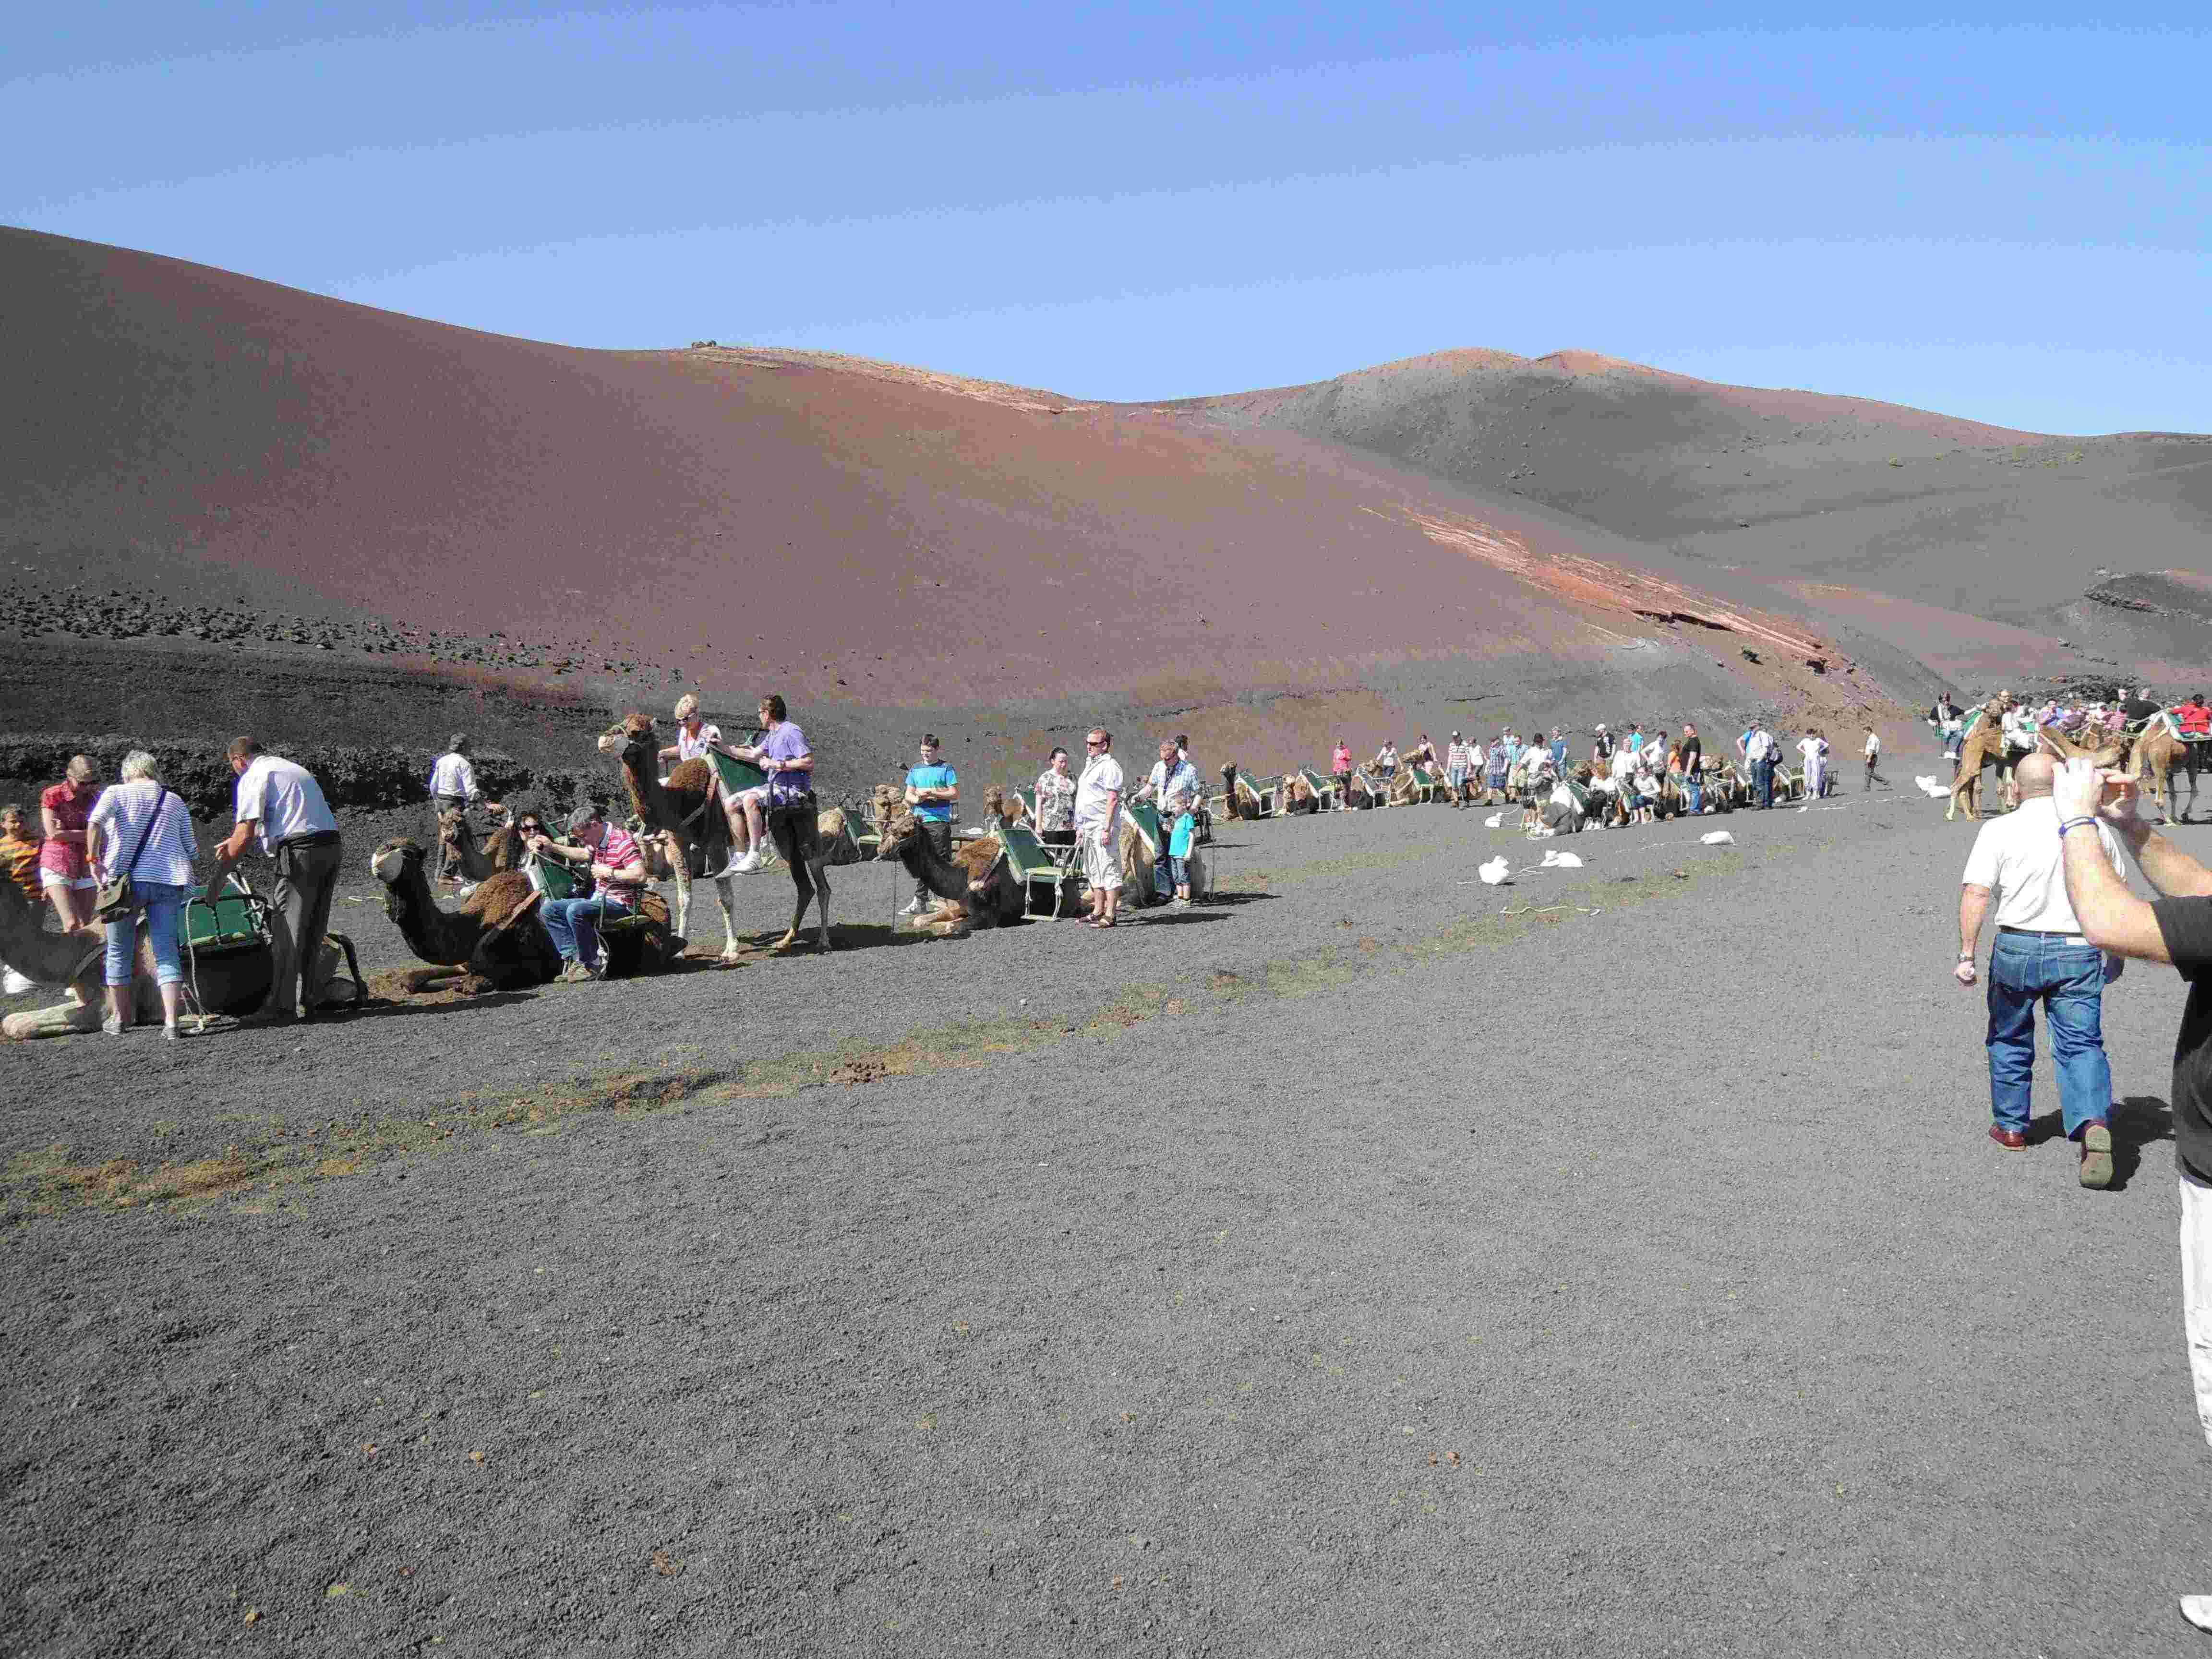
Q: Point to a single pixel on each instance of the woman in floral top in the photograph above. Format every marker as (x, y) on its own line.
(1055, 802)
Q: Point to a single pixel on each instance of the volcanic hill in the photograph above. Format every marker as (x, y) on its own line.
(200, 472)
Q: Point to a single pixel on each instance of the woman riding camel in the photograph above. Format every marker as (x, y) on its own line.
(695, 739)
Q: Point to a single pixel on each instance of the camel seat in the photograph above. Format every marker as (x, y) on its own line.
(1033, 864)
(555, 881)
(1147, 817)
(1324, 788)
(737, 776)
(238, 919)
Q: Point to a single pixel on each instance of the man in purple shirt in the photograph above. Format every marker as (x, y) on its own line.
(783, 755)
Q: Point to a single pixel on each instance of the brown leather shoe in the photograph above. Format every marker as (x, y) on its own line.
(2011, 1140)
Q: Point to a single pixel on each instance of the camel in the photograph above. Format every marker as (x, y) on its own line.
(685, 815)
(2154, 752)
(2158, 751)
(495, 941)
(1983, 746)
(1004, 807)
(230, 982)
(1240, 799)
(1359, 793)
(1295, 794)
(500, 847)
(976, 887)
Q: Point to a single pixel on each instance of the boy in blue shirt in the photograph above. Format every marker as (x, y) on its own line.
(933, 790)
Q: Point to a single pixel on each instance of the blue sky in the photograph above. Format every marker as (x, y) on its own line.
(1969, 211)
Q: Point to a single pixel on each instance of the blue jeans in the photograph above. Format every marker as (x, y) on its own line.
(163, 905)
(1169, 871)
(2069, 982)
(573, 924)
(1762, 776)
(1697, 787)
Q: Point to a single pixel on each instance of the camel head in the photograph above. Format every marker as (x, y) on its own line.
(1228, 774)
(1000, 805)
(896, 825)
(389, 863)
(634, 732)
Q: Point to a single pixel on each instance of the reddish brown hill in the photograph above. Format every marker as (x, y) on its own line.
(860, 531)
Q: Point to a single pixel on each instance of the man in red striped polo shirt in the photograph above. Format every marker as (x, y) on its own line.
(617, 871)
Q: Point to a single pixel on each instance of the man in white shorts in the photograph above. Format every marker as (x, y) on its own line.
(1099, 826)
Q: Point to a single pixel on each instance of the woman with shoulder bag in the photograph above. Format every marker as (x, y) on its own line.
(143, 847)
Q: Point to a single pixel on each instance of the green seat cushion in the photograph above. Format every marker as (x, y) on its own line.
(737, 776)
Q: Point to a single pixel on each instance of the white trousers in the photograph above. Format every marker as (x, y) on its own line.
(2196, 1293)
(1816, 773)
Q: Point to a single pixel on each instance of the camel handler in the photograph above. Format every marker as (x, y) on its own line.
(453, 789)
(2090, 805)
(694, 740)
(1174, 784)
(1340, 766)
(933, 790)
(1098, 825)
(784, 744)
(281, 808)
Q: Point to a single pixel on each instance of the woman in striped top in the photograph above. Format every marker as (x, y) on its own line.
(140, 820)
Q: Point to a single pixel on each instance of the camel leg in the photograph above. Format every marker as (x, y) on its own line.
(77, 1015)
(679, 861)
(726, 891)
(802, 882)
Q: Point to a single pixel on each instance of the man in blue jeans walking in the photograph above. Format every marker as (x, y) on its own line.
(2040, 956)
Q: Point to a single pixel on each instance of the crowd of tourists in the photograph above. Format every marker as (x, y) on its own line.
(1648, 770)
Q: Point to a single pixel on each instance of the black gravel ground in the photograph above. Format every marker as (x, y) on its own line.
(1344, 1269)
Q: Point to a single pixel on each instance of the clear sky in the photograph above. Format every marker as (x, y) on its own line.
(1966, 209)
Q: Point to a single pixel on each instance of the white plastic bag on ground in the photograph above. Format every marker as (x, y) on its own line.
(1718, 838)
(1493, 820)
(1556, 860)
(1494, 872)
(1931, 788)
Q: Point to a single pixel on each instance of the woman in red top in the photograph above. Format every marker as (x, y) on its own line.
(65, 809)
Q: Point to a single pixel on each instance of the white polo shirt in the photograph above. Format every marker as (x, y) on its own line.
(285, 800)
(2019, 856)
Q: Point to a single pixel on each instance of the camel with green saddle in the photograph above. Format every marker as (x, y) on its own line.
(2154, 752)
(228, 964)
(1982, 746)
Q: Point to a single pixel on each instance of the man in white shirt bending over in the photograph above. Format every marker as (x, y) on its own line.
(281, 807)
(2040, 954)
(453, 789)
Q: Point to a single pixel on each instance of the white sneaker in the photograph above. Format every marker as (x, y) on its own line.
(13, 984)
(915, 907)
(751, 862)
(2197, 1610)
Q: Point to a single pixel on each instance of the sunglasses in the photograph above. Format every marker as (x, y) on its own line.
(1093, 743)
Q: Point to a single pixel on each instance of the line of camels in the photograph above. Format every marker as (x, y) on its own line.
(494, 940)
(2155, 753)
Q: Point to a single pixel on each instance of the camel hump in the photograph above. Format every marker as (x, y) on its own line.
(501, 899)
(691, 777)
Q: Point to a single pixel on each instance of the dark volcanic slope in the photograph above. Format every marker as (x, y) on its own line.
(1995, 523)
